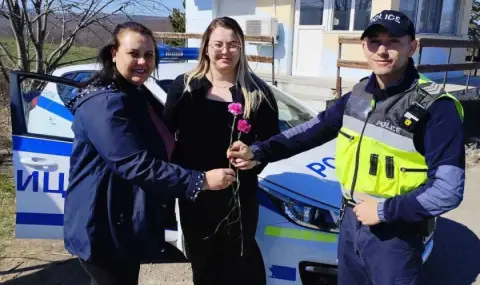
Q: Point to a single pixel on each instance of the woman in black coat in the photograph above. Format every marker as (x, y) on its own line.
(121, 184)
(208, 108)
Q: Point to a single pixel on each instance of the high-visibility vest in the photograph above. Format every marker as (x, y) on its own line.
(375, 154)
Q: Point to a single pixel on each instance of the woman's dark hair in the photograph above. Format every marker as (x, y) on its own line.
(107, 74)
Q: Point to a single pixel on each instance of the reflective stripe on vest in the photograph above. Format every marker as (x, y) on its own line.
(433, 88)
(374, 155)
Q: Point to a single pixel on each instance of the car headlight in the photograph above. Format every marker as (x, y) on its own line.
(303, 214)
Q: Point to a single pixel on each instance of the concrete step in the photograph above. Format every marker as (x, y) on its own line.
(314, 92)
(310, 88)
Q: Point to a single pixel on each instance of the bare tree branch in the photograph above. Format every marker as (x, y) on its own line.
(29, 24)
(75, 61)
(152, 6)
(14, 10)
(51, 30)
(95, 34)
(45, 12)
(10, 57)
(17, 24)
(87, 20)
(37, 36)
(4, 10)
(4, 71)
(46, 30)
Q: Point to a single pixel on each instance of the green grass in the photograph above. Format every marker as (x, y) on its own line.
(75, 52)
(7, 210)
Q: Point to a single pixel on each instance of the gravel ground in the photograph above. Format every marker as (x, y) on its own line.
(472, 152)
(455, 259)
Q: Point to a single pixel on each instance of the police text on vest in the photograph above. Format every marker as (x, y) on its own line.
(389, 126)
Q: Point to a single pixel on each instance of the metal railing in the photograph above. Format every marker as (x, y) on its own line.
(423, 68)
(252, 58)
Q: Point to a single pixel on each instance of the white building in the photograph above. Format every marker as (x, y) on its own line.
(308, 31)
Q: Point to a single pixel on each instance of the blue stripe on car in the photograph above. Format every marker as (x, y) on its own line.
(43, 219)
(55, 108)
(60, 148)
(283, 272)
(39, 145)
(54, 219)
(39, 219)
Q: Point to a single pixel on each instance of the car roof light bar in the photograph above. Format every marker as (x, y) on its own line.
(166, 52)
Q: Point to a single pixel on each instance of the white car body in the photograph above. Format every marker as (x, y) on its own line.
(294, 249)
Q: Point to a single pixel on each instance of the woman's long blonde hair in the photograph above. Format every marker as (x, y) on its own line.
(252, 93)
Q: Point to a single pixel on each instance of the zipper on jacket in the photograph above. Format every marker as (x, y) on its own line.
(357, 155)
(346, 135)
(405, 169)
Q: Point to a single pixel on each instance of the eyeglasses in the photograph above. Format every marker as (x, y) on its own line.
(231, 47)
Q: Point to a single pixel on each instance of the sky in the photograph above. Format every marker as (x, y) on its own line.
(149, 9)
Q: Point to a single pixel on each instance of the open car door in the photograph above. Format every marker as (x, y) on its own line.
(42, 144)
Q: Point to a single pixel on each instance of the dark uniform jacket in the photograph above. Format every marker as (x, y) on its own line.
(121, 187)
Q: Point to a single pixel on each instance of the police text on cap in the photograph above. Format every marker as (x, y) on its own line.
(389, 17)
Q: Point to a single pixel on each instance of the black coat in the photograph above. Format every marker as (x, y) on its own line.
(189, 114)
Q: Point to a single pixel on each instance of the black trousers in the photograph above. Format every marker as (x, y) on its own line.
(110, 272)
(217, 259)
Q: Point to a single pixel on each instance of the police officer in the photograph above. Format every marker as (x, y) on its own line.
(400, 157)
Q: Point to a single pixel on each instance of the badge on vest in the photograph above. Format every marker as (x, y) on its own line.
(414, 114)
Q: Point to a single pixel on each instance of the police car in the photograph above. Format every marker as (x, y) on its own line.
(299, 197)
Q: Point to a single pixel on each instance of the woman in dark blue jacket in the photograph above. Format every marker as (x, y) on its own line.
(121, 188)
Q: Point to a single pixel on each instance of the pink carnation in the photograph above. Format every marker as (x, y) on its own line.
(235, 108)
(244, 126)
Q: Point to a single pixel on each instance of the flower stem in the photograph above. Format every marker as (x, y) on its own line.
(235, 197)
(231, 137)
(239, 207)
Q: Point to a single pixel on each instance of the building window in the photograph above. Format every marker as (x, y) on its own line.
(433, 16)
(344, 10)
(363, 9)
(311, 12)
(341, 15)
(409, 8)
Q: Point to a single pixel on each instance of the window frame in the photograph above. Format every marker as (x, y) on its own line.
(351, 26)
(417, 19)
(325, 16)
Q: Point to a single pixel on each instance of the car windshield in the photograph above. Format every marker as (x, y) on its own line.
(291, 113)
(65, 92)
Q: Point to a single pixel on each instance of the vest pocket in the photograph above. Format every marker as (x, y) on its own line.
(406, 169)
(373, 164)
(389, 167)
(411, 178)
(345, 153)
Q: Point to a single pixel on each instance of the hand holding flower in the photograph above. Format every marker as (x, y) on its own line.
(244, 164)
(239, 150)
(218, 179)
(243, 127)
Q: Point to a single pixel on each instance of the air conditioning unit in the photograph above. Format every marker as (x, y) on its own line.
(261, 26)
